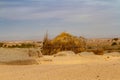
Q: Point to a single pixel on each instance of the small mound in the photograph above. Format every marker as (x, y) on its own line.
(20, 62)
(86, 53)
(15, 57)
(114, 54)
(34, 53)
(65, 53)
(98, 51)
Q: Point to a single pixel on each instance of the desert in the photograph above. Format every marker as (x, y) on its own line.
(59, 39)
(91, 60)
(86, 66)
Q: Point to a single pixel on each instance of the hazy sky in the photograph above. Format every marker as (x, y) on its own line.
(30, 19)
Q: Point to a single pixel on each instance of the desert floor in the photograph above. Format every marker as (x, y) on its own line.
(78, 67)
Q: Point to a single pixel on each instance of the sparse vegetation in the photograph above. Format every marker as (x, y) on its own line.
(98, 51)
(114, 43)
(27, 45)
(1, 44)
(116, 39)
(63, 42)
(23, 45)
(67, 42)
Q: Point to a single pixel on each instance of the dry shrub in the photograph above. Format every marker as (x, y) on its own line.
(109, 51)
(98, 51)
(63, 42)
(1, 44)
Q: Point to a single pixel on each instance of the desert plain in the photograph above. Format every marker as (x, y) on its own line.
(83, 66)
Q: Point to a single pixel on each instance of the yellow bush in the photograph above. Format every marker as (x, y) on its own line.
(62, 42)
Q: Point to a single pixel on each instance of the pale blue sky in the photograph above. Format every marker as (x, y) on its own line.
(30, 19)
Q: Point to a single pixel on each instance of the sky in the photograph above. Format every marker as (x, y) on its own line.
(31, 19)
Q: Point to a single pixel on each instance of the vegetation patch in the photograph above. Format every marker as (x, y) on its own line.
(98, 51)
(63, 42)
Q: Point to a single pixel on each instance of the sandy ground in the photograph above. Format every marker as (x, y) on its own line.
(78, 67)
